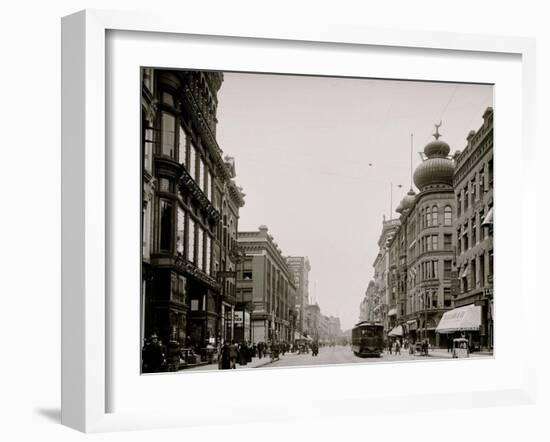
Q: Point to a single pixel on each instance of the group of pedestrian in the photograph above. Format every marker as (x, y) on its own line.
(232, 353)
(394, 347)
(153, 355)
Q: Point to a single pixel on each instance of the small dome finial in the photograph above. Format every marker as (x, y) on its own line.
(437, 134)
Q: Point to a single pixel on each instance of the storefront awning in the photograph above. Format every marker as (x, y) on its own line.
(411, 325)
(467, 318)
(392, 312)
(396, 331)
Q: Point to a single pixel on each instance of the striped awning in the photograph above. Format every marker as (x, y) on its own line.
(467, 318)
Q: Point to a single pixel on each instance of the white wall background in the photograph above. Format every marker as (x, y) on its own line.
(30, 219)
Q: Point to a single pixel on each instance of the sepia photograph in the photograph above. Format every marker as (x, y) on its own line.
(296, 221)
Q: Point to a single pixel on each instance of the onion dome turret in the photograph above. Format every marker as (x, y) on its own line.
(437, 169)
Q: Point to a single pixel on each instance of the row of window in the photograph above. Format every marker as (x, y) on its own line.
(475, 188)
(471, 232)
(429, 299)
(429, 216)
(430, 270)
(192, 241)
(187, 153)
(473, 275)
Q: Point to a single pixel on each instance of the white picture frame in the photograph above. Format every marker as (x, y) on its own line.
(86, 314)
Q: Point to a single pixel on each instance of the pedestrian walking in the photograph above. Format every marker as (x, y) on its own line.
(390, 344)
(233, 354)
(397, 347)
(225, 357)
(243, 353)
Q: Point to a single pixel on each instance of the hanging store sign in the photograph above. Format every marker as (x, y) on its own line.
(238, 319)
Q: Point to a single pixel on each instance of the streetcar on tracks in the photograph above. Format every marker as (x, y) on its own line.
(367, 339)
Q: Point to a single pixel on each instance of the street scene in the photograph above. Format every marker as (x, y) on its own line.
(292, 221)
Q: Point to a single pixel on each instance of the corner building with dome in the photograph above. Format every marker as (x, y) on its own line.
(422, 251)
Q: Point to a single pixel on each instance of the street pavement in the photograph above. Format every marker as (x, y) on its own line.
(335, 355)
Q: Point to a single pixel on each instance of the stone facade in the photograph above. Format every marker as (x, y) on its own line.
(473, 188)
(266, 282)
(299, 267)
(190, 210)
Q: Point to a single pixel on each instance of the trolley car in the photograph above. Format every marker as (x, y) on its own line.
(367, 339)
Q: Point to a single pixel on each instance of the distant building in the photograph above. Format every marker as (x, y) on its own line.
(299, 268)
(313, 319)
(366, 308)
(266, 284)
(334, 329)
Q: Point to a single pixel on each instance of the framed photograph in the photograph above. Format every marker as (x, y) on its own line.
(286, 208)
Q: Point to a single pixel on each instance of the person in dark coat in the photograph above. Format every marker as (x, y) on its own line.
(249, 352)
(260, 349)
(225, 357)
(153, 356)
(233, 354)
(243, 354)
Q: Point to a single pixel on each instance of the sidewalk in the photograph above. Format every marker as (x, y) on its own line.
(443, 353)
(256, 362)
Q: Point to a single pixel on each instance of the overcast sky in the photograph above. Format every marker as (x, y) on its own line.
(316, 156)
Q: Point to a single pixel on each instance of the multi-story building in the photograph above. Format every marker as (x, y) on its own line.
(422, 250)
(334, 329)
(266, 283)
(313, 319)
(190, 209)
(473, 188)
(384, 306)
(299, 267)
(368, 303)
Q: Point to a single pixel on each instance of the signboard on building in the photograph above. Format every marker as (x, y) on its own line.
(238, 319)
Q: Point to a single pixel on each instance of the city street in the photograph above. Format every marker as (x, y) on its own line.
(334, 355)
(344, 355)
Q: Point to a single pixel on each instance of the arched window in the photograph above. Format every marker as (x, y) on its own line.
(428, 217)
(448, 216)
(435, 213)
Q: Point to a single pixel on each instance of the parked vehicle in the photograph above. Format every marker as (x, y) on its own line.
(461, 348)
